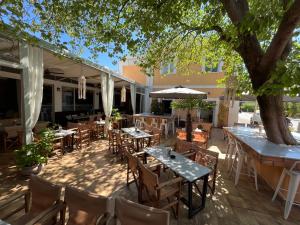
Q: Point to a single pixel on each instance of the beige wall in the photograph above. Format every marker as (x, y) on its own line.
(199, 79)
(134, 72)
(207, 82)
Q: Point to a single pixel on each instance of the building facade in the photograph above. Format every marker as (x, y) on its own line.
(168, 76)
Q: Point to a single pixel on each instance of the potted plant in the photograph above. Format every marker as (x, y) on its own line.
(31, 157)
(115, 117)
(190, 104)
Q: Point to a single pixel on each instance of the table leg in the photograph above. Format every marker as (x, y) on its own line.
(190, 199)
(137, 145)
(72, 142)
(204, 191)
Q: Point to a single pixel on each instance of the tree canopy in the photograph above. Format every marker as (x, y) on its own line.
(186, 31)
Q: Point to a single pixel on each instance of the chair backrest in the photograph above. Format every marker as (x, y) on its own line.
(85, 207)
(206, 126)
(181, 134)
(149, 179)
(133, 162)
(130, 213)
(43, 194)
(207, 158)
(155, 139)
(182, 146)
(200, 136)
(156, 130)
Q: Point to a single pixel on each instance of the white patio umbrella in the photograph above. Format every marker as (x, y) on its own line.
(178, 92)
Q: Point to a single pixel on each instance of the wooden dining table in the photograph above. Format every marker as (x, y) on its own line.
(137, 135)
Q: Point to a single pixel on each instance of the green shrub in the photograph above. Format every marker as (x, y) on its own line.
(37, 152)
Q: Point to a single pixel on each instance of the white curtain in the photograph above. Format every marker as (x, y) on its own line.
(147, 102)
(133, 96)
(107, 89)
(31, 58)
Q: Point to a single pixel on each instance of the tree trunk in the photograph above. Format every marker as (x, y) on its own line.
(274, 120)
(188, 127)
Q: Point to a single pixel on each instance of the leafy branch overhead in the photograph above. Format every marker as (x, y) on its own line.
(188, 31)
(192, 103)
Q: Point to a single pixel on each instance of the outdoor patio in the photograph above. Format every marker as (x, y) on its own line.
(97, 170)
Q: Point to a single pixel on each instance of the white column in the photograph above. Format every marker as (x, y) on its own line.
(31, 59)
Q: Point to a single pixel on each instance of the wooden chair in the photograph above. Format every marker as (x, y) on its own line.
(124, 144)
(76, 138)
(84, 138)
(154, 140)
(186, 148)
(127, 213)
(41, 197)
(206, 127)
(201, 138)
(100, 131)
(83, 208)
(209, 159)
(58, 146)
(181, 134)
(158, 191)
(112, 141)
(93, 130)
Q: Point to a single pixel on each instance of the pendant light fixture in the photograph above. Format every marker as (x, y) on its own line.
(81, 86)
(123, 94)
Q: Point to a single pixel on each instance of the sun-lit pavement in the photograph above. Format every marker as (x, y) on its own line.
(97, 170)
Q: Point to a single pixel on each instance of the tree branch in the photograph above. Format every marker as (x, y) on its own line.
(282, 37)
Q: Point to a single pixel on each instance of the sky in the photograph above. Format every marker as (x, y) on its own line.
(103, 59)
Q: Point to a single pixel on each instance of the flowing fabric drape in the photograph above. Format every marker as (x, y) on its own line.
(33, 79)
(147, 102)
(133, 97)
(107, 89)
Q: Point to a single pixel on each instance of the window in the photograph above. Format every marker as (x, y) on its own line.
(214, 67)
(9, 101)
(84, 104)
(46, 113)
(169, 68)
(67, 99)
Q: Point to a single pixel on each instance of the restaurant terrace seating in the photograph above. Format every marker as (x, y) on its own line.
(157, 190)
(124, 144)
(128, 212)
(294, 176)
(209, 159)
(241, 158)
(112, 141)
(40, 197)
(133, 161)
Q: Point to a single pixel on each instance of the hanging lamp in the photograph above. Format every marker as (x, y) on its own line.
(81, 86)
(123, 94)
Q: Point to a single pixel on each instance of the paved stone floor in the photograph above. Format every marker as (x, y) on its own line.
(96, 170)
